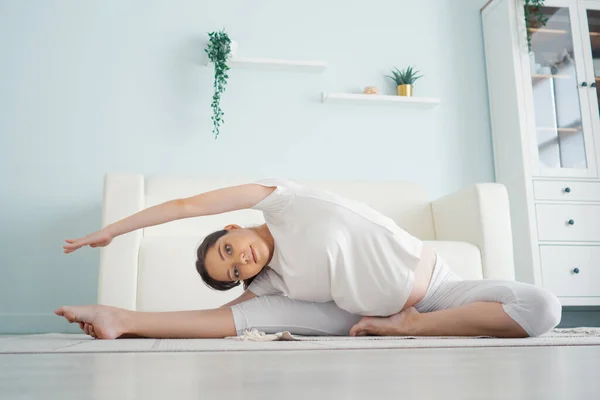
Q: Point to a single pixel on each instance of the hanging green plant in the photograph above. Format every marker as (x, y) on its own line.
(219, 51)
(534, 17)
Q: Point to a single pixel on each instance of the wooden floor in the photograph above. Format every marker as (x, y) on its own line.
(528, 373)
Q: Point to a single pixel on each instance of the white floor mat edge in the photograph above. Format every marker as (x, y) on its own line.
(257, 341)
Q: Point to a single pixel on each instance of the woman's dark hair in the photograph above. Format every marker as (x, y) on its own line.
(208, 243)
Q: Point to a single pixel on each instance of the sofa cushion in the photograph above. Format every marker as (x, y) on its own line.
(168, 280)
(464, 258)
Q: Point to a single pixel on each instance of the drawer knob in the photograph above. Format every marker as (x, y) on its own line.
(575, 270)
(567, 190)
(571, 222)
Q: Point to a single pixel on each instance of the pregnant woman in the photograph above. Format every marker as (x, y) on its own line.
(321, 264)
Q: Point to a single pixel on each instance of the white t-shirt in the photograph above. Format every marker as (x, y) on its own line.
(331, 248)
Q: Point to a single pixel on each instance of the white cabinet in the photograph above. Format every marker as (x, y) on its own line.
(546, 137)
(569, 271)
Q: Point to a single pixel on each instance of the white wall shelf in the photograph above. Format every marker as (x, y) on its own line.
(277, 64)
(355, 98)
(309, 66)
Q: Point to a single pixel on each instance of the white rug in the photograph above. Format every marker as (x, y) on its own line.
(256, 341)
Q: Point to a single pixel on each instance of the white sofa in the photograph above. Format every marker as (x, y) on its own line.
(153, 269)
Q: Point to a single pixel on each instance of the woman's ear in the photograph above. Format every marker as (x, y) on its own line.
(232, 227)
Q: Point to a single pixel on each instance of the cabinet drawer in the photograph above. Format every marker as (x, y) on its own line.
(566, 190)
(571, 271)
(568, 222)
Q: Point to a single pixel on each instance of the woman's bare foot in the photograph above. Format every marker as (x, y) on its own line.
(101, 322)
(400, 324)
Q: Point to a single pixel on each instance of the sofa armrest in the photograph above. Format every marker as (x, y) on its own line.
(480, 215)
(117, 281)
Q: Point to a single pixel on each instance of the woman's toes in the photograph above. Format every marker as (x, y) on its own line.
(356, 329)
(361, 328)
(70, 316)
(358, 332)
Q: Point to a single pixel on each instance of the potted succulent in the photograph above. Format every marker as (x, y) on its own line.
(219, 50)
(404, 80)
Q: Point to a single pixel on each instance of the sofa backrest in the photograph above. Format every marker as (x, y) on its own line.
(153, 269)
(406, 203)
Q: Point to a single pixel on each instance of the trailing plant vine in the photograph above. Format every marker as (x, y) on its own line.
(218, 50)
(534, 17)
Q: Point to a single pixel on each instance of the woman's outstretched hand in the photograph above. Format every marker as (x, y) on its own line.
(97, 239)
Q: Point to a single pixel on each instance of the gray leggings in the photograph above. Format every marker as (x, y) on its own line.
(535, 309)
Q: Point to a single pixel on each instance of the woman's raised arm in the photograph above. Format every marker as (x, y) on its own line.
(209, 203)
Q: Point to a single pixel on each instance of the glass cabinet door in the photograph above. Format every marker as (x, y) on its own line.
(562, 124)
(590, 22)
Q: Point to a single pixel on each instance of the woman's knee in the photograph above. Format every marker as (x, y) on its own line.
(550, 308)
(543, 309)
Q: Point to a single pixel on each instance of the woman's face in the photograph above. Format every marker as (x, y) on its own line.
(239, 255)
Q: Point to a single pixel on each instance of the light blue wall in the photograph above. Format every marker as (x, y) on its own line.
(89, 87)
